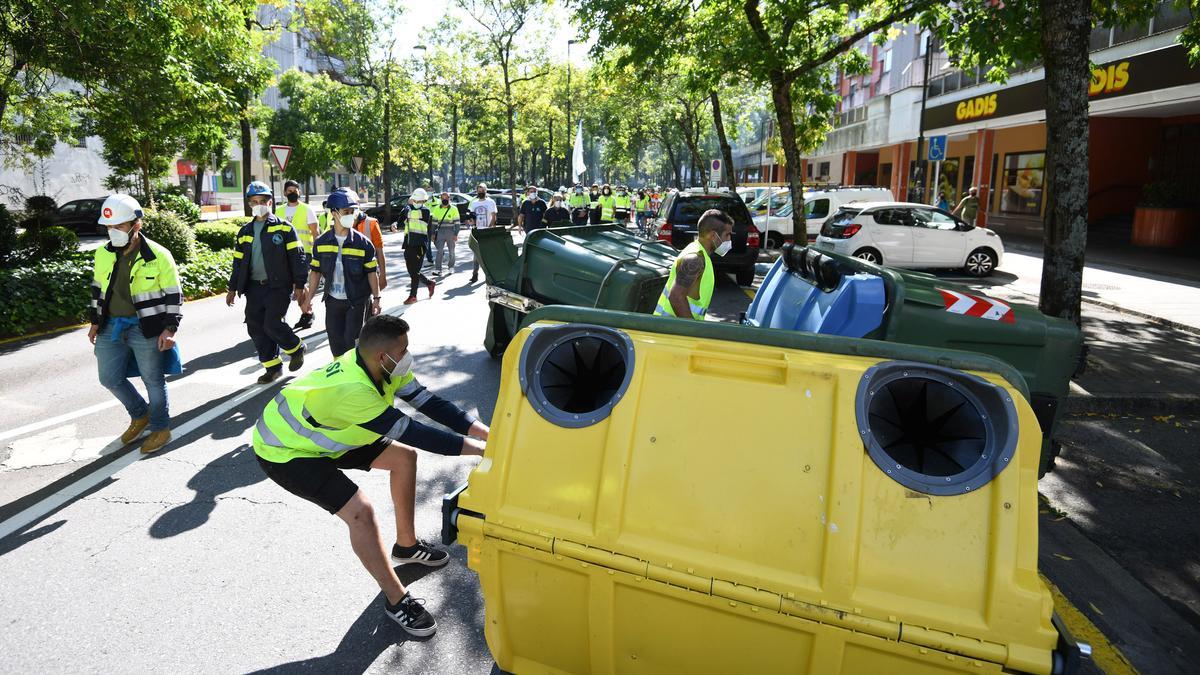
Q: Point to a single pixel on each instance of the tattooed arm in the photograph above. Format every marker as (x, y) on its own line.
(690, 268)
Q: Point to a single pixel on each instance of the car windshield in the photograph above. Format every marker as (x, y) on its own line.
(689, 209)
(844, 216)
(761, 201)
(785, 211)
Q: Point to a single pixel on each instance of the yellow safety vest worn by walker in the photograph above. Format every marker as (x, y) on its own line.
(699, 306)
(338, 408)
(607, 208)
(447, 215)
(576, 201)
(414, 224)
(299, 221)
(153, 286)
(623, 201)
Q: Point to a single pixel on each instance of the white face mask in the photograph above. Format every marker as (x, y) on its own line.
(261, 210)
(402, 367)
(119, 238)
(348, 219)
(723, 247)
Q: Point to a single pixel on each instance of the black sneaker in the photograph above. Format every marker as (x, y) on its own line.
(297, 359)
(271, 375)
(305, 322)
(421, 553)
(411, 616)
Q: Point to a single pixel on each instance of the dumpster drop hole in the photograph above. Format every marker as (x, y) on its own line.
(574, 374)
(927, 426)
(582, 375)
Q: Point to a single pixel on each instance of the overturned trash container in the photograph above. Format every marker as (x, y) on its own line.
(626, 518)
(589, 266)
(827, 293)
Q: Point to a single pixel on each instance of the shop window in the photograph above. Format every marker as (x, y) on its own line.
(1023, 186)
(948, 182)
(885, 175)
(968, 173)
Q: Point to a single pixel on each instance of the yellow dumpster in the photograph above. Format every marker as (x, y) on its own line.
(663, 496)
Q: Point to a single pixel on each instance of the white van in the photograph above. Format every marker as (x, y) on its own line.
(819, 205)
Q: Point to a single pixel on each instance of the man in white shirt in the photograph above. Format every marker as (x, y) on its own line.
(483, 214)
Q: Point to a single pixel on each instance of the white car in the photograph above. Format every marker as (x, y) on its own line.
(818, 204)
(902, 234)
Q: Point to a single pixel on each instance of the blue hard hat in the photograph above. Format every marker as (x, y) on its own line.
(342, 198)
(258, 187)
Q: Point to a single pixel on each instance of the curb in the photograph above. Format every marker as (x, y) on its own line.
(1167, 323)
(1133, 404)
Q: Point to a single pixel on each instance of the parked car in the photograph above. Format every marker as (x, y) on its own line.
(770, 201)
(681, 211)
(504, 210)
(81, 215)
(818, 204)
(914, 236)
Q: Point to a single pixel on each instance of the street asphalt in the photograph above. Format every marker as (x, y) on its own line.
(189, 560)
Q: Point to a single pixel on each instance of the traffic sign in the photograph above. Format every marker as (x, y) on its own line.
(281, 154)
(356, 164)
(716, 166)
(937, 148)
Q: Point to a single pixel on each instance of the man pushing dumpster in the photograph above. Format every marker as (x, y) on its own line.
(342, 417)
(689, 288)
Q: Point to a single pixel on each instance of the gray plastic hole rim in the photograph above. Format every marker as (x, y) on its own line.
(997, 412)
(542, 342)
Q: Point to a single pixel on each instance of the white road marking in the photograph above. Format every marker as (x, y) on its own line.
(57, 446)
(52, 502)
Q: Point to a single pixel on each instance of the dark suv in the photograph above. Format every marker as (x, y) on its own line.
(676, 224)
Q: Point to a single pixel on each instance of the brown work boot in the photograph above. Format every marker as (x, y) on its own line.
(135, 429)
(155, 441)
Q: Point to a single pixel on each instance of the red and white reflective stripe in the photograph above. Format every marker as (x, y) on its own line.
(979, 307)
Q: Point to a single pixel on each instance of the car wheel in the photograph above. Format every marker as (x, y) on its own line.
(745, 276)
(870, 255)
(981, 262)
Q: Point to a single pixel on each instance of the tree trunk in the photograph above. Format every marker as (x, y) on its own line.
(245, 124)
(691, 136)
(387, 158)
(1066, 26)
(454, 147)
(674, 164)
(198, 184)
(781, 95)
(512, 146)
(726, 150)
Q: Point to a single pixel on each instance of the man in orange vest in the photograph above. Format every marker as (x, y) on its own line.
(369, 227)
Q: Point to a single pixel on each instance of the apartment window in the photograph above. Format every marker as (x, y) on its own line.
(887, 61)
(923, 44)
(823, 171)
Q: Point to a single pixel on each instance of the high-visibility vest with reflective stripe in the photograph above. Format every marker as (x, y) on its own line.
(699, 306)
(643, 204)
(623, 201)
(309, 418)
(414, 224)
(607, 208)
(576, 201)
(299, 221)
(444, 215)
(153, 284)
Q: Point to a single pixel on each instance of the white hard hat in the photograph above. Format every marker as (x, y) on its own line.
(119, 209)
(420, 195)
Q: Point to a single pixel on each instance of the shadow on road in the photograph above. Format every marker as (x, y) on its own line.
(235, 469)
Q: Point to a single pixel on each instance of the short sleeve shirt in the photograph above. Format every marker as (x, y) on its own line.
(483, 208)
(533, 210)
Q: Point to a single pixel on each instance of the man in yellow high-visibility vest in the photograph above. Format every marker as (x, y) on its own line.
(689, 288)
(304, 219)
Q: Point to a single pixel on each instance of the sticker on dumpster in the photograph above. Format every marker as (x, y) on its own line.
(982, 308)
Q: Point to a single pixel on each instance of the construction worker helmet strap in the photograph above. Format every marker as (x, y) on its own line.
(119, 209)
(257, 187)
(342, 198)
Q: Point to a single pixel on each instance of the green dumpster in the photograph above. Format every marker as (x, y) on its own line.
(820, 291)
(600, 266)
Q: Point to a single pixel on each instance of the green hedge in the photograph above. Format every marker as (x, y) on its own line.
(168, 229)
(49, 294)
(219, 235)
(180, 205)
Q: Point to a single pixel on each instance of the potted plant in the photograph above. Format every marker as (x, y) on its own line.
(1165, 215)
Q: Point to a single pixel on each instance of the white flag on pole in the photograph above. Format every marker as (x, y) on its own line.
(577, 164)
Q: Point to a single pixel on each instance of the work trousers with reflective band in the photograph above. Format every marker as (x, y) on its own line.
(447, 239)
(343, 323)
(265, 310)
(112, 362)
(414, 255)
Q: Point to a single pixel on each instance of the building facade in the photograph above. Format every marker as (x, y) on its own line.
(1144, 129)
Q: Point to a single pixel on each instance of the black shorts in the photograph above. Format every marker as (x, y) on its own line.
(320, 479)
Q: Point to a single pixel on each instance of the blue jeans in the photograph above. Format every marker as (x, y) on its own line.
(112, 358)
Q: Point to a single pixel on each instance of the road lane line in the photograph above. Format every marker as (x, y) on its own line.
(37, 511)
(1105, 654)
